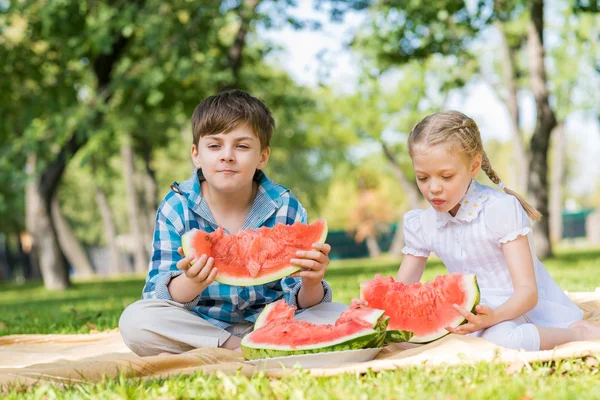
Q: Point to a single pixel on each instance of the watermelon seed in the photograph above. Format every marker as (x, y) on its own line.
(206, 238)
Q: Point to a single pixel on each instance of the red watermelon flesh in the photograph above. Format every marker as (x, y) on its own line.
(424, 309)
(279, 310)
(284, 335)
(254, 256)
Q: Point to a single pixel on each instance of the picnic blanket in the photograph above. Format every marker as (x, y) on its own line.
(27, 359)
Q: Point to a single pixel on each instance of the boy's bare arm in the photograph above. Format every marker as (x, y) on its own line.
(310, 294)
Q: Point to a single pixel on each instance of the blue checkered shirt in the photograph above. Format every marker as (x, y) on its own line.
(183, 209)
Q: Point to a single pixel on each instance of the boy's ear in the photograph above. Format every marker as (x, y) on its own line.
(264, 158)
(195, 156)
(476, 165)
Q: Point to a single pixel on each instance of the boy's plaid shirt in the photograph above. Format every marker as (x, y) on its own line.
(183, 209)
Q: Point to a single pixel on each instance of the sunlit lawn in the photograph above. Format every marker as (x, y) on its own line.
(98, 304)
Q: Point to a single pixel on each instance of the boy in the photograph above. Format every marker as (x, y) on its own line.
(182, 307)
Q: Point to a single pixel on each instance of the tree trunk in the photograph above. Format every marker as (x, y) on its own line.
(135, 230)
(14, 257)
(26, 259)
(188, 137)
(545, 123)
(44, 242)
(148, 178)
(69, 244)
(410, 191)
(51, 260)
(41, 190)
(139, 183)
(110, 231)
(557, 182)
(511, 101)
(5, 265)
(372, 246)
(235, 56)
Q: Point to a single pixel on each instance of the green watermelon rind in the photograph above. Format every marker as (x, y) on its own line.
(474, 295)
(374, 318)
(358, 340)
(398, 336)
(279, 274)
(381, 328)
(236, 281)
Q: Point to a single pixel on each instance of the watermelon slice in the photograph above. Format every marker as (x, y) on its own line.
(254, 256)
(274, 311)
(425, 310)
(278, 334)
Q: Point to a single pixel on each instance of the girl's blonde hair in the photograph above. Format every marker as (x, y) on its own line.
(449, 126)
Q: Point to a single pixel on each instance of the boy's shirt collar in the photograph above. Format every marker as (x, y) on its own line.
(268, 199)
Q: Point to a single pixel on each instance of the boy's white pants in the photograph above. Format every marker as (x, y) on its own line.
(151, 327)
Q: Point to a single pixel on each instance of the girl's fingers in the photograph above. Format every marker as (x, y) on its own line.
(460, 330)
(360, 302)
(452, 330)
(467, 314)
(483, 309)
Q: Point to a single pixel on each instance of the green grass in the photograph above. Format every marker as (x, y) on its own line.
(569, 379)
(98, 304)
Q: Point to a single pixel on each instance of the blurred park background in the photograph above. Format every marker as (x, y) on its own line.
(96, 100)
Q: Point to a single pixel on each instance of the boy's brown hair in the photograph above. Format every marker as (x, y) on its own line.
(227, 110)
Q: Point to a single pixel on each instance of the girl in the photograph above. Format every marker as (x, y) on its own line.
(475, 229)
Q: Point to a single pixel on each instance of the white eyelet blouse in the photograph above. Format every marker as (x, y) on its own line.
(470, 243)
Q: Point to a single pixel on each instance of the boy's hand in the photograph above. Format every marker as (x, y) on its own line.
(475, 322)
(313, 262)
(201, 272)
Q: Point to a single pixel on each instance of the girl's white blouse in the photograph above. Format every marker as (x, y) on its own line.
(471, 243)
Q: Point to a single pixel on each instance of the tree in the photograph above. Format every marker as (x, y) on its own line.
(512, 30)
(86, 53)
(132, 68)
(402, 31)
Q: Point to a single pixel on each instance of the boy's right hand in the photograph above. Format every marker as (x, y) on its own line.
(201, 272)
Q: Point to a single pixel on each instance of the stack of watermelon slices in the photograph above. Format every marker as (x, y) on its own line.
(416, 313)
(277, 334)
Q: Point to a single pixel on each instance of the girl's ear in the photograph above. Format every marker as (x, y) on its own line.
(195, 156)
(476, 165)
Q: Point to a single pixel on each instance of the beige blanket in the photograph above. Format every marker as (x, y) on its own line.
(27, 359)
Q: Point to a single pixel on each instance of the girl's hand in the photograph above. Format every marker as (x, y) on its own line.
(475, 322)
(313, 262)
(359, 302)
(201, 272)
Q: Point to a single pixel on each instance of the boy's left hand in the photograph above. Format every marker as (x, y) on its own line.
(475, 322)
(314, 263)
